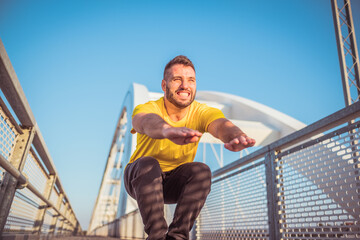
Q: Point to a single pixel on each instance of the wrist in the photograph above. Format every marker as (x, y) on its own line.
(164, 129)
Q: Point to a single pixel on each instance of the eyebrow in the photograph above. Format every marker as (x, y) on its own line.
(180, 77)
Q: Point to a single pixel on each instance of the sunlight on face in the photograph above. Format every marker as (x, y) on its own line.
(179, 85)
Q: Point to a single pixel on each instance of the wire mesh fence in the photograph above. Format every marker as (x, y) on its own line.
(7, 135)
(128, 226)
(319, 188)
(317, 193)
(23, 212)
(33, 169)
(236, 206)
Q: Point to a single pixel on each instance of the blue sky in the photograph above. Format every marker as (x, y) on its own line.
(76, 59)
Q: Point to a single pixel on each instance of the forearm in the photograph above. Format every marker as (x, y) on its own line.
(235, 140)
(155, 127)
(150, 124)
(228, 131)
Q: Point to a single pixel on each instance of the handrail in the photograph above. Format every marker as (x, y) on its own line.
(13, 92)
(23, 182)
(13, 171)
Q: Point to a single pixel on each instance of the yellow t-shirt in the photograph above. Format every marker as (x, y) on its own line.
(169, 154)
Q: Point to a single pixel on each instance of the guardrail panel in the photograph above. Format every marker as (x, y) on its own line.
(7, 135)
(49, 215)
(23, 212)
(54, 196)
(236, 206)
(36, 175)
(319, 188)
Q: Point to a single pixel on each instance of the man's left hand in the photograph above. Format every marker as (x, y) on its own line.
(239, 143)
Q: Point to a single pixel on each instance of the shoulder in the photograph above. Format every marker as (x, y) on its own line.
(149, 107)
(204, 115)
(204, 110)
(199, 107)
(195, 104)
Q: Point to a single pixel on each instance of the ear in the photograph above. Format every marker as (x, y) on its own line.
(163, 85)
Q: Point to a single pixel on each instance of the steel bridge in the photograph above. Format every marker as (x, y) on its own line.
(300, 182)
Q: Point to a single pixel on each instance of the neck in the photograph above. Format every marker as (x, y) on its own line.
(175, 113)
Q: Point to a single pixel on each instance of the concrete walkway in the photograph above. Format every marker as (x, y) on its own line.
(89, 238)
(85, 238)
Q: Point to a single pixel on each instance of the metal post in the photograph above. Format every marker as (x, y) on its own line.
(271, 188)
(66, 213)
(10, 184)
(61, 226)
(346, 45)
(350, 73)
(55, 218)
(42, 210)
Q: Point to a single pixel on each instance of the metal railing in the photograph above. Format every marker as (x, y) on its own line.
(129, 226)
(33, 202)
(303, 186)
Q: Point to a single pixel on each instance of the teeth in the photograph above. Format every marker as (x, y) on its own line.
(184, 94)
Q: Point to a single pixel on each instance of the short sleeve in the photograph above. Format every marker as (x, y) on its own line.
(149, 107)
(207, 115)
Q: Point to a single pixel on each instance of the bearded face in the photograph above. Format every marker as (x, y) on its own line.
(179, 85)
(181, 98)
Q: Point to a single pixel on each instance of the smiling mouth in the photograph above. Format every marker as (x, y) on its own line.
(183, 94)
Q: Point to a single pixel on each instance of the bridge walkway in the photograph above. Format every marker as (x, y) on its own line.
(305, 185)
(86, 238)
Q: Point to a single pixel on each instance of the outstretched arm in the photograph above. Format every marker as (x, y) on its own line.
(235, 140)
(155, 127)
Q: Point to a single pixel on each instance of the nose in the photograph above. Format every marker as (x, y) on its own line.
(185, 84)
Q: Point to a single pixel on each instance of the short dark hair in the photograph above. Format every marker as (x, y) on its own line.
(181, 59)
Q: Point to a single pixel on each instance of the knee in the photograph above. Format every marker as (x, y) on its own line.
(201, 168)
(200, 177)
(200, 171)
(147, 165)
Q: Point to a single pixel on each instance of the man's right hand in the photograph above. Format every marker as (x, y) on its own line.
(181, 135)
(155, 127)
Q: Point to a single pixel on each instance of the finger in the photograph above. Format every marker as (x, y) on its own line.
(237, 144)
(197, 133)
(228, 146)
(233, 144)
(191, 139)
(251, 141)
(186, 130)
(235, 141)
(243, 140)
(233, 147)
(194, 132)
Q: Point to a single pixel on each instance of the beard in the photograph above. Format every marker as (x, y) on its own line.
(170, 97)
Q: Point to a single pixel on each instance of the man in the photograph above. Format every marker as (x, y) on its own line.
(161, 170)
